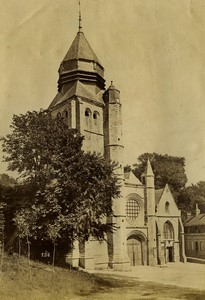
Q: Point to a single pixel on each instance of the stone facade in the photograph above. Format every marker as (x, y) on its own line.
(149, 229)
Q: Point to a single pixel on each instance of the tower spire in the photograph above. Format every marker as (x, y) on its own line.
(80, 19)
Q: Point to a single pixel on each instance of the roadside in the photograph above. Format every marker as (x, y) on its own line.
(188, 275)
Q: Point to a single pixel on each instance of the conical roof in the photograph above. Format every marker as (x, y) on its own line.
(81, 49)
(81, 63)
(149, 171)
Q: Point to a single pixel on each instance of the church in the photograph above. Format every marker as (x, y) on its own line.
(149, 230)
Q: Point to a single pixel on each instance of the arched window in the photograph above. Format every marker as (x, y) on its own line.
(95, 115)
(132, 209)
(87, 112)
(168, 231)
(167, 207)
(88, 119)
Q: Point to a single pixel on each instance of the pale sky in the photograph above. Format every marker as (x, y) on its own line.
(153, 50)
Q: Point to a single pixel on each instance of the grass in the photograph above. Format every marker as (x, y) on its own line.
(21, 279)
(24, 280)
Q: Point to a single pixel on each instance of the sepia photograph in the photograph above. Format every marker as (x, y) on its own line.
(102, 158)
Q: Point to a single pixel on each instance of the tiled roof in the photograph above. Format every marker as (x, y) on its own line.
(195, 221)
(55, 100)
(77, 89)
(81, 49)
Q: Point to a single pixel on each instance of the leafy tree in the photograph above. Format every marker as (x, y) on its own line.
(192, 195)
(167, 169)
(35, 143)
(7, 195)
(6, 180)
(81, 197)
(25, 221)
(66, 186)
(53, 232)
(127, 168)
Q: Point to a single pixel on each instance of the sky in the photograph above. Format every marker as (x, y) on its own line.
(153, 50)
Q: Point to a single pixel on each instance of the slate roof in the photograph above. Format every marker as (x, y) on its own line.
(55, 100)
(77, 89)
(195, 221)
(158, 195)
(81, 49)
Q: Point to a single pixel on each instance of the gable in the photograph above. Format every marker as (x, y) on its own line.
(166, 204)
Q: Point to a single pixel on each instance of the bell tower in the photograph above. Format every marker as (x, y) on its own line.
(79, 99)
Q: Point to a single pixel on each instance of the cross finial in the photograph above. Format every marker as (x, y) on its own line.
(80, 19)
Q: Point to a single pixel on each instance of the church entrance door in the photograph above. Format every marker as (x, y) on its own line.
(134, 249)
(169, 254)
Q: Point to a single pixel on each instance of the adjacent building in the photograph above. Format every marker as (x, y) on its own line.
(194, 228)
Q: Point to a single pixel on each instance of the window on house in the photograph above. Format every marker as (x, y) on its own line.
(87, 112)
(95, 115)
(201, 246)
(132, 209)
(192, 246)
(196, 246)
(168, 231)
(167, 207)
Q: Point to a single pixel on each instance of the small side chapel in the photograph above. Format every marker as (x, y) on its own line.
(149, 227)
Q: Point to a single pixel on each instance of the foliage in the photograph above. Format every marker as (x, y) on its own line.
(35, 143)
(192, 195)
(167, 169)
(6, 180)
(170, 169)
(127, 168)
(25, 221)
(66, 191)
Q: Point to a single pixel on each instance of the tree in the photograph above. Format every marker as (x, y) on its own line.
(35, 143)
(192, 195)
(81, 197)
(6, 180)
(167, 169)
(67, 187)
(25, 220)
(7, 196)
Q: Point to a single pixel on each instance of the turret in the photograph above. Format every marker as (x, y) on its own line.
(113, 147)
(113, 127)
(149, 190)
(150, 213)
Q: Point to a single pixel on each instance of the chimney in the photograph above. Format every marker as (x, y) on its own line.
(197, 210)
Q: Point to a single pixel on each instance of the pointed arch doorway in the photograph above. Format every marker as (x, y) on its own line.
(168, 232)
(136, 249)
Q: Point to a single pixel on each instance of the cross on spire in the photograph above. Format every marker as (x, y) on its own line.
(80, 19)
